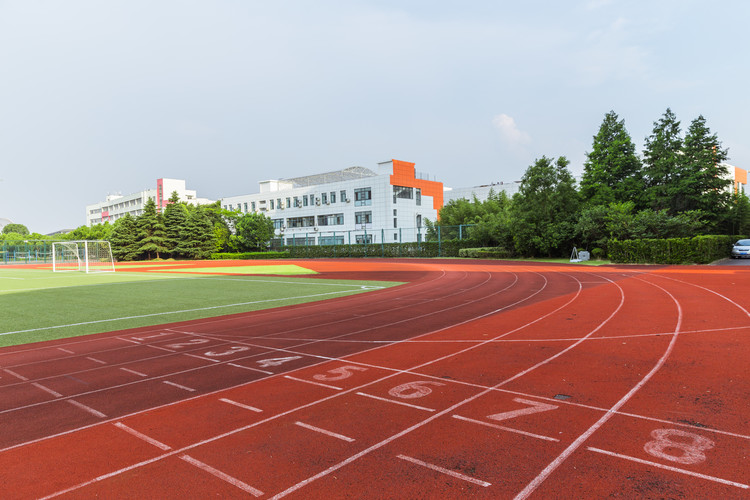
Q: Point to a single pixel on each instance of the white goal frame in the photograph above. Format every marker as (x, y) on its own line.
(90, 256)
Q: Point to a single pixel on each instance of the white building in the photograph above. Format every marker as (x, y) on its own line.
(353, 205)
(116, 206)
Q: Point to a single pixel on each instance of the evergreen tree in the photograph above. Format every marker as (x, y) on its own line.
(544, 209)
(612, 171)
(175, 220)
(124, 239)
(661, 159)
(703, 183)
(253, 232)
(151, 233)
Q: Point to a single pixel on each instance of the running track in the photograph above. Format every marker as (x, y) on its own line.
(474, 379)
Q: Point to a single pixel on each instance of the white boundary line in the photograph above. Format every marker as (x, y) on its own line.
(323, 431)
(223, 476)
(449, 472)
(508, 429)
(47, 390)
(85, 408)
(184, 388)
(670, 468)
(394, 401)
(134, 372)
(313, 383)
(142, 436)
(235, 403)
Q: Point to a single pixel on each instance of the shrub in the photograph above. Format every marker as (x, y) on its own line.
(696, 250)
(485, 253)
(598, 253)
(249, 255)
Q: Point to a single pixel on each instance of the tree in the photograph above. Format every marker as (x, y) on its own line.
(253, 232)
(661, 159)
(544, 209)
(738, 216)
(612, 171)
(15, 229)
(124, 239)
(175, 221)
(151, 233)
(703, 183)
(196, 240)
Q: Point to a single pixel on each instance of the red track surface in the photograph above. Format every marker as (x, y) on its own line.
(472, 380)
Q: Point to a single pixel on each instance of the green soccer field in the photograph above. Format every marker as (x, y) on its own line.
(37, 304)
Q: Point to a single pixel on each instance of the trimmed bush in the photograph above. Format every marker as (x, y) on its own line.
(389, 250)
(696, 250)
(249, 255)
(485, 253)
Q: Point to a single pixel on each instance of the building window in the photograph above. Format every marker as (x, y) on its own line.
(406, 193)
(296, 202)
(362, 197)
(252, 206)
(324, 198)
(271, 204)
(331, 220)
(419, 197)
(395, 222)
(395, 236)
(343, 196)
(278, 223)
(363, 217)
(278, 202)
(395, 212)
(300, 221)
(304, 201)
(333, 196)
(288, 202)
(363, 238)
(245, 207)
(419, 221)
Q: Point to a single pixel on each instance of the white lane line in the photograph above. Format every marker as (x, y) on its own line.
(15, 374)
(667, 467)
(160, 348)
(539, 479)
(202, 358)
(249, 368)
(235, 403)
(503, 428)
(134, 372)
(87, 409)
(393, 401)
(323, 431)
(65, 350)
(223, 476)
(47, 390)
(146, 337)
(142, 436)
(313, 383)
(178, 386)
(96, 360)
(445, 471)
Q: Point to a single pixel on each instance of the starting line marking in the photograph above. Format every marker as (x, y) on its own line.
(96, 360)
(65, 350)
(223, 476)
(14, 374)
(47, 390)
(445, 471)
(134, 372)
(87, 409)
(394, 402)
(667, 467)
(503, 428)
(144, 437)
(235, 403)
(178, 386)
(249, 368)
(323, 431)
(313, 383)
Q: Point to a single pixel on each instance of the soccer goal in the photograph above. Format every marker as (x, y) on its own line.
(87, 256)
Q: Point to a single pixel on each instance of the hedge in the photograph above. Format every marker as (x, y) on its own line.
(696, 250)
(391, 250)
(249, 255)
(485, 253)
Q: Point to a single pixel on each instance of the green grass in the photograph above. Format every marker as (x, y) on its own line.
(38, 305)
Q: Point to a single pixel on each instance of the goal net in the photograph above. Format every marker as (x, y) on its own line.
(87, 256)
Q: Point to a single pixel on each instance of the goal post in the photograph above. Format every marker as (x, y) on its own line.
(90, 256)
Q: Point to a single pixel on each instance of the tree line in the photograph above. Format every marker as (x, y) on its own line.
(181, 231)
(678, 187)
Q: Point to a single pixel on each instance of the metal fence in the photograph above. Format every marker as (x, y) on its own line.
(26, 252)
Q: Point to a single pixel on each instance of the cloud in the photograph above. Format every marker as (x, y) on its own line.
(509, 131)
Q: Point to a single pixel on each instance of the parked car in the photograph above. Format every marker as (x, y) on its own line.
(741, 249)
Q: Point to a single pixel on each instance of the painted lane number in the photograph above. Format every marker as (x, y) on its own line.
(678, 446)
(339, 373)
(231, 350)
(188, 343)
(534, 407)
(412, 390)
(265, 363)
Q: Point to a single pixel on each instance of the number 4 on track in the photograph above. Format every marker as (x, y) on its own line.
(534, 407)
(265, 363)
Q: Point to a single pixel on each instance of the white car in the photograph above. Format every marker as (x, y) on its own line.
(741, 249)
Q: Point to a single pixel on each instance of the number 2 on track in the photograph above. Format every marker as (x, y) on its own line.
(534, 407)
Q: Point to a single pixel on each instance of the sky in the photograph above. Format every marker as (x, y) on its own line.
(101, 97)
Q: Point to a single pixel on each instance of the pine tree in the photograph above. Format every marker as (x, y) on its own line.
(612, 172)
(175, 220)
(124, 239)
(151, 233)
(661, 159)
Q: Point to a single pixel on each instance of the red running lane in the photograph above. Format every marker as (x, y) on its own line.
(470, 381)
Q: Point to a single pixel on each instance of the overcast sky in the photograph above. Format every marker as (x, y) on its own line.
(106, 96)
